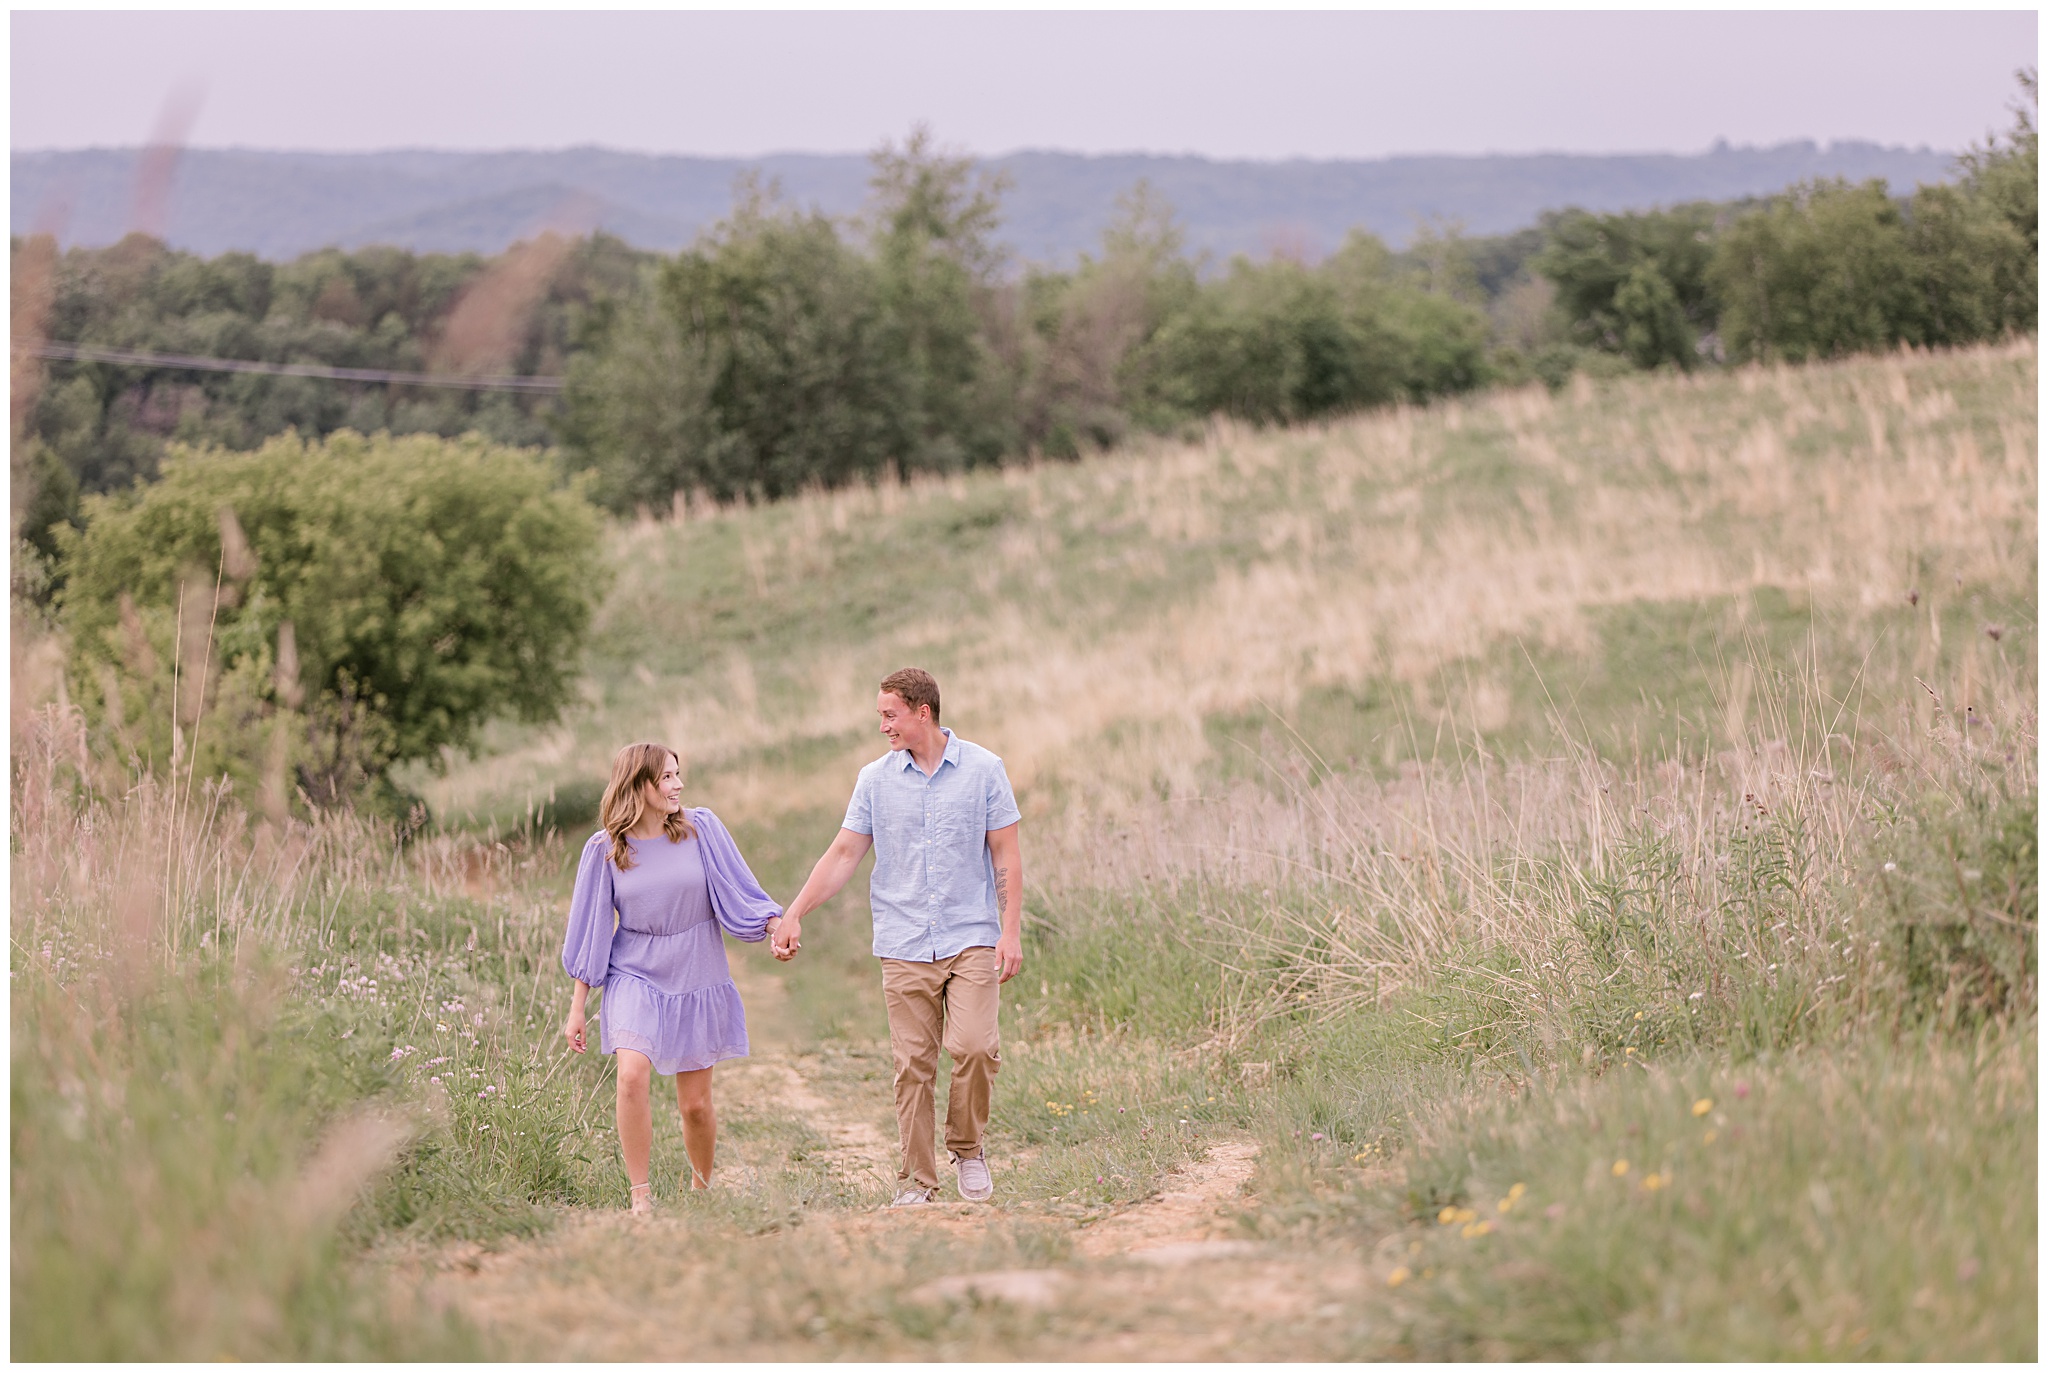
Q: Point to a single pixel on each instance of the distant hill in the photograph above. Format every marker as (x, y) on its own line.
(281, 204)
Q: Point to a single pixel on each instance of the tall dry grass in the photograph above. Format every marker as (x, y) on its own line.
(210, 1111)
(1590, 908)
(1089, 620)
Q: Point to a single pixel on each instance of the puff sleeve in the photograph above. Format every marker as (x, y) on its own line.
(587, 950)
(738, 901)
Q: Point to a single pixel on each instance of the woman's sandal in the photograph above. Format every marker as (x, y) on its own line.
(643, 1198)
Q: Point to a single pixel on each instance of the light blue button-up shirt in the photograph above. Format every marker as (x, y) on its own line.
(934, 886)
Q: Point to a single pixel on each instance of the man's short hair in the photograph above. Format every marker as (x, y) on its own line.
(915, 687)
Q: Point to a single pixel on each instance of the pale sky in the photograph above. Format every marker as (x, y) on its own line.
(1222, 84)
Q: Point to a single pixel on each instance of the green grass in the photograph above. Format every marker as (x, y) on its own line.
(1872, 1202)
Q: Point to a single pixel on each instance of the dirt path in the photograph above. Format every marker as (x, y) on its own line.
(1163, 1278)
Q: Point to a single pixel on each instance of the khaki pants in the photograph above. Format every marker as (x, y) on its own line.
(952, 1001)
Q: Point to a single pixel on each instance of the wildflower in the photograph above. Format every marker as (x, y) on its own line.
(1554, 1211)
(1620, 1168)
(1891, 867)
(1742, 1091)
(435, 1079)
(1639, 1015)
(1447, 1216)
(1515, 1192)
(397, 1054)
(1630, 1049)
(1361, 1157)
(1397, 1277)
(1475, 1230)
(1655, 1181)
(1316, 1136)
(442, 1028)
(1710, 1136)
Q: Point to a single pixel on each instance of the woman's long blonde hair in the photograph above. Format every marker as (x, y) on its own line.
(623, 805)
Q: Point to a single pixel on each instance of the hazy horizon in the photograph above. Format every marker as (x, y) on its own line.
(1236, 87)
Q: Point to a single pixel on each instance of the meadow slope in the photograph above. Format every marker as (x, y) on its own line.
(1536, 876)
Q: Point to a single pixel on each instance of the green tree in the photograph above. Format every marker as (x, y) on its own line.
(378, 600)
(1083, 372)
(765, 365)
(1634, 284)
(1825, 270)
(2004, 180)
(931, 236)
(1278, 342)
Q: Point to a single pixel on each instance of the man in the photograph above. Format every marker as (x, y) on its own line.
(948, 900)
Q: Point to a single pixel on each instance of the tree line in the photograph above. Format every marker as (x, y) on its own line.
(786, 348)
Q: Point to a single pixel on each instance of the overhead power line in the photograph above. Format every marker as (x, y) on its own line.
(136, 357)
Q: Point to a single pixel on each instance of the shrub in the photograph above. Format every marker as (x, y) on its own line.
(345, 605)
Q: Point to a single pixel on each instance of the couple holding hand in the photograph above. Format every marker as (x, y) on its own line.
(658, 884)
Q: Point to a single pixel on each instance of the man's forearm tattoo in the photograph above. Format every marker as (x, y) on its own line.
(1002, 888)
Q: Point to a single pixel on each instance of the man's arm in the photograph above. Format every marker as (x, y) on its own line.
(1009, 865)
(827, 877)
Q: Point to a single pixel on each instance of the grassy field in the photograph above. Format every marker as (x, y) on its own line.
(1577, 851)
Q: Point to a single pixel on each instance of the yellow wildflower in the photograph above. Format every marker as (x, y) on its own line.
(1397, 1277)
(1653, 1182)
(1703, 1105)
(1467, 1214)
(1515, 1192)
(1710, 1136)
(1639, 1015)
(1473, 1231)
(1620, 1168)
(1447, 1216)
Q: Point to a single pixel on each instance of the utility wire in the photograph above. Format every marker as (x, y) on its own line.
(135, 357)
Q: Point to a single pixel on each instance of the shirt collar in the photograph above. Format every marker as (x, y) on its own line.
(952, 754)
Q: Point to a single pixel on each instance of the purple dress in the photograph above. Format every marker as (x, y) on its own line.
(650, 937)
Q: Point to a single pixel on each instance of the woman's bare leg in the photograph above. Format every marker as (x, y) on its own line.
(700, 1123)
(636, 1113)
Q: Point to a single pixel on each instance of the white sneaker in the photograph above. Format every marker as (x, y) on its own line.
(975, 1183)
(915, 1196)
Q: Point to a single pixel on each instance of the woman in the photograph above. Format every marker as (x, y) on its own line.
(673, 879)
